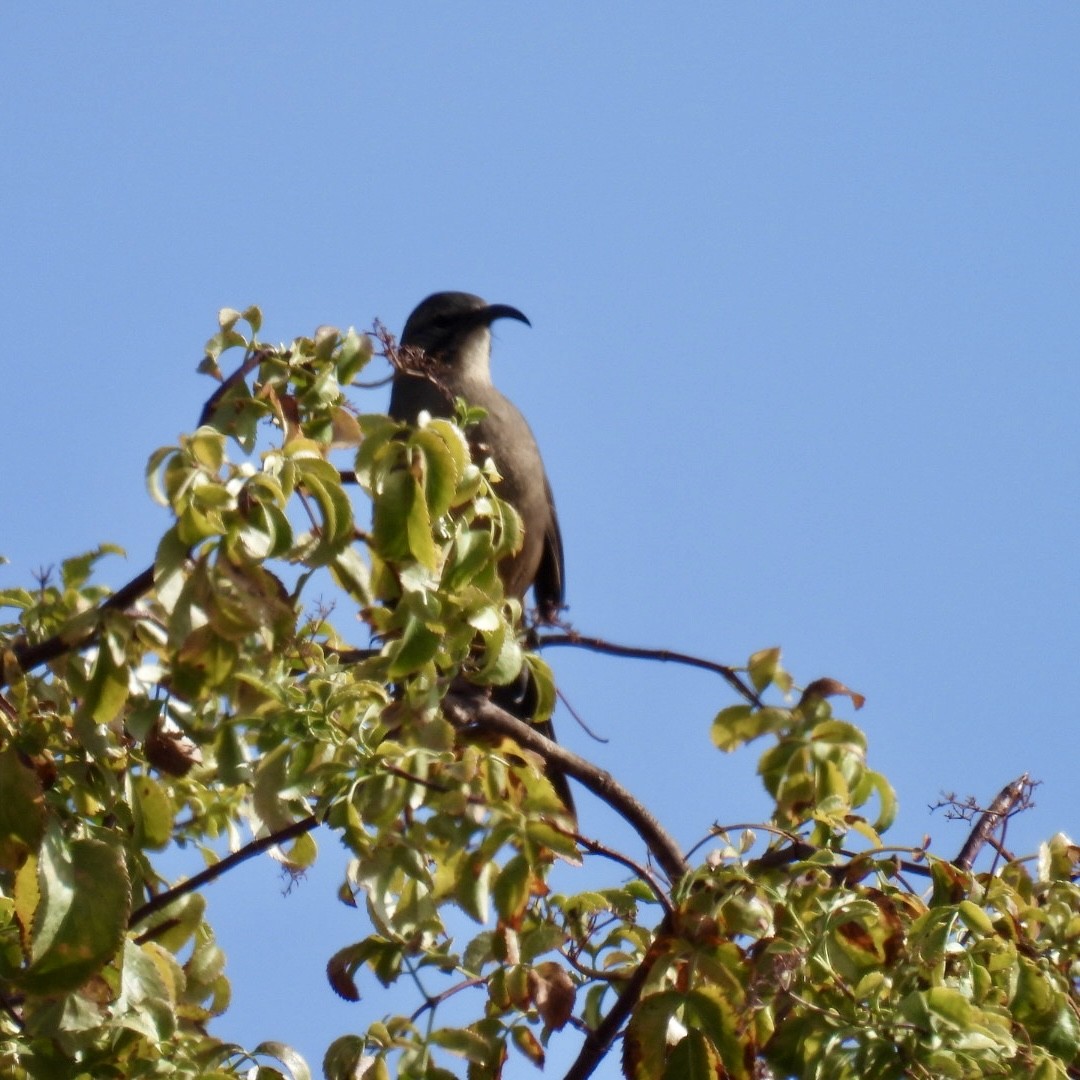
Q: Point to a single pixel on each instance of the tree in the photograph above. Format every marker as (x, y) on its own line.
(209, 697)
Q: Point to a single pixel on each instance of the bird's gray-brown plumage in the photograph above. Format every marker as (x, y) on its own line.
(453, 329)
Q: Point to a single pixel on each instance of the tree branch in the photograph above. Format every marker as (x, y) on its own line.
(251, 362)
(598, 1042)
(465, 709)
(162, 900)
(29, 657)
(624, 860)
(729, 674)
(1005, 802)
(431, 1002)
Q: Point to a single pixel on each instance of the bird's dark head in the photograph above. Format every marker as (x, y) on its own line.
(445, 321)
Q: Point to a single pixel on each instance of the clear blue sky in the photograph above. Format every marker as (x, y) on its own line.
(804, 288)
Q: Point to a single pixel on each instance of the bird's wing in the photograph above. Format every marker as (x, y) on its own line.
(549, 586)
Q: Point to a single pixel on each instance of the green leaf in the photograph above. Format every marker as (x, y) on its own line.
(288, 1057)
(151, 982)
(1061, 1034)
(80, 919)
(528, 1044)
(719, 1020)
(441, 471)
(352, 355)
(468, 1044)
(950, 1005)
(646, 1038)
(352, 574)
(543, 685)
(417, 646)
(207, 448)
(252, 315)
(271, 781)
(345, 1060)
(545, 835)
(22, 811)
(224, 339)
(263, 533)
(512, 888)
(502, 656)
(975, 919)
(472, 552)
(107, 690)
(418, 528)
(473, 886)
(75, 572)
(693, 1059)
(153, 811)
(763, 668)
(322, 482)
(889, 806)
(393, 507)
(740, 724)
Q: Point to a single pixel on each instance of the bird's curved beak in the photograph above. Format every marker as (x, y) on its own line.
(500, 311)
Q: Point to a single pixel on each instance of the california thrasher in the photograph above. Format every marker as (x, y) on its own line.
(453, 329)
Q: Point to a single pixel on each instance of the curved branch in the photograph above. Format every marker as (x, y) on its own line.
(729, 674)
(162, 900)
(617, 856)
(465, 709)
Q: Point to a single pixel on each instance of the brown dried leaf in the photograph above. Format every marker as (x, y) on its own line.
(553, 992)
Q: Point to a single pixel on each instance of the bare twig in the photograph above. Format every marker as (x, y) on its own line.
(431, 1001)
(577, 716)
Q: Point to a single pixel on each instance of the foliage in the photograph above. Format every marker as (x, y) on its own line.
(212, 703)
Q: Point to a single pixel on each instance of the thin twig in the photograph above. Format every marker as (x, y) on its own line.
(211, 873)
(430, 1002)
(577, 716)
(616, 856)
(664, 655)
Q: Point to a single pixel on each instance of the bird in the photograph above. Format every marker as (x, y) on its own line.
(453, 331)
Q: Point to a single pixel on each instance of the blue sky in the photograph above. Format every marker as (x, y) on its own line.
(803, 282)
